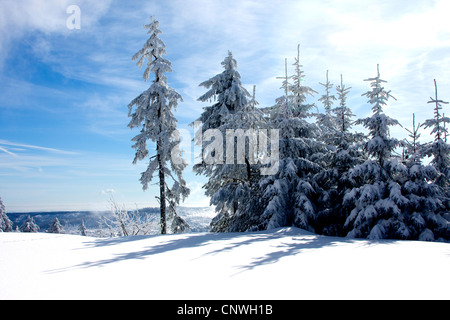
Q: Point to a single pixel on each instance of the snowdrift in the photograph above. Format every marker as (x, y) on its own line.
(287, 263)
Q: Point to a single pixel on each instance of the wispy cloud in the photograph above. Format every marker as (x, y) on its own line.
(29, 146)
(8, 152)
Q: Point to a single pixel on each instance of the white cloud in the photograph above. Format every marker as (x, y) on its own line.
(21, 17)
(29, 146)
(8, 152)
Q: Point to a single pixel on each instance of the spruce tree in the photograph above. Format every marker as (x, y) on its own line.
(413, 153)
(298, 91)
(343, 114)
(5, 224)
(287, 197)
(326, 121)
(82, 229)
(233, 116)
(29, 225)
(154, 113)
(343, 154)
(439, 150)
(55, 227)
(374, 203)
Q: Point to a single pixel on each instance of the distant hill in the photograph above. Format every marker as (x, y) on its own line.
(197, 218)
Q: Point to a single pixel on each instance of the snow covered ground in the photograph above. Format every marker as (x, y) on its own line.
(286, 263)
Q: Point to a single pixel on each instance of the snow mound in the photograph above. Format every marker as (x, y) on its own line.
(286, 263)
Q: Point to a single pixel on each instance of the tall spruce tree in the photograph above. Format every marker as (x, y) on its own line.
(154, 114)
(298, 91)
(375, 202)
(439, 150)
(233, 116)
(5, 224)
(413, 153)
(326, 120)
(343, 154)
(286, 197)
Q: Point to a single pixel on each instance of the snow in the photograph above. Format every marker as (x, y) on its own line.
(285, 263)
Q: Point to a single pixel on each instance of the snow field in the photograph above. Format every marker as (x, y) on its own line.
(286, 263)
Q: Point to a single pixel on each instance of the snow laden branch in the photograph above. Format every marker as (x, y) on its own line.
(127, 223)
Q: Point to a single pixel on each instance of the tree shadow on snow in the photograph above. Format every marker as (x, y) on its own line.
(297, 241)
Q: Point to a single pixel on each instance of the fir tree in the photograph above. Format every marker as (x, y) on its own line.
(240, 178)
(343, 154)
(381, 145)
(154, 113)
(227, 90)
(375, 202)
(439, 150)
(82, 229)
(299, 92)
(286, 198)
(326, 120)
(414, 150)
(55, 227)
(29, 225)
(234, 116)
(343, 114)
(5, 224)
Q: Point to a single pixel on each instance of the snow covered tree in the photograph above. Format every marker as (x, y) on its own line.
(29, 225)
(234, 117)
(343, 153)
(5, 224)
(381, 145)
(55, 227)
(299, 92)
(439, 149)
(154, 113)
(374, 202)
(343, 114)
(390, 200)
(82, 229)
(286, 197)
(129, 223)
(227, 90)
(326, 120)
(240, 177)
(413, 153)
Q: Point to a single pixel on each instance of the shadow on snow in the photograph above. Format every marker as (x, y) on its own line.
(297, 241)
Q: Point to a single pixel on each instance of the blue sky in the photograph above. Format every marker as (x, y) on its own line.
(64, 141)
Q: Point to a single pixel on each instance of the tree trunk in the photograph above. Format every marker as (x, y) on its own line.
(162, 192)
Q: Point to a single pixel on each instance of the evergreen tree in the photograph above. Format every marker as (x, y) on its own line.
(240, 178)
(227, 90)
(375, 201)
(414, 149)
(390, 200)
(55, 227)
(234, 117)
(29, 225)
(154, 113)
(299, 92)
(326, 120)
(343, 154)
(343, 114)
(5, 224)
(286, 198)
(439, 149)
(82, 229)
